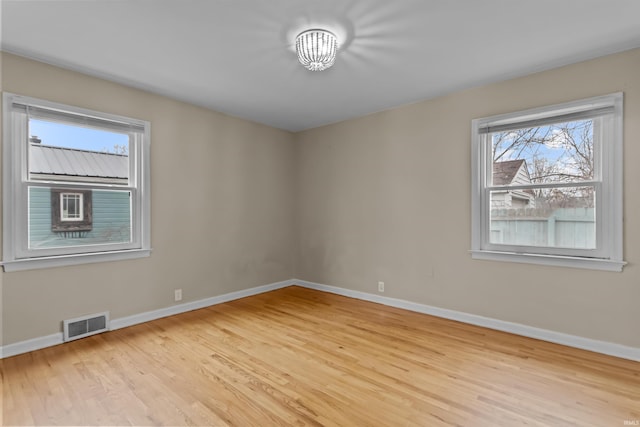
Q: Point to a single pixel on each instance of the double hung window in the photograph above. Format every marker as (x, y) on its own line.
(547, 185)
(75, 185)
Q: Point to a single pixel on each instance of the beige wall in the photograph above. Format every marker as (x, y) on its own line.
(222, 208)
(1, 273)
(387, 197)
(383, 197)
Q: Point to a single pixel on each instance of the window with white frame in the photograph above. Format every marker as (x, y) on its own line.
(547, 185)
(75, 185)
(71, 210)
(71, 207)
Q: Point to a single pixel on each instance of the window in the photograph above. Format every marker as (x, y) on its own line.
(547, 185)
(71, 211)
(71, 207)
(75, 185)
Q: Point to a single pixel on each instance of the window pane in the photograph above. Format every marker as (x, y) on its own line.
(71, 207)
(555, 153)
(558, 217)
(68, 152)
(111, 220)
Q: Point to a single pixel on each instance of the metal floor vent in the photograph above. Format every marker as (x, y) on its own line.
(81, 327)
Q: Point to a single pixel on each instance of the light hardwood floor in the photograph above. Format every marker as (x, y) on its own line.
(301, 357)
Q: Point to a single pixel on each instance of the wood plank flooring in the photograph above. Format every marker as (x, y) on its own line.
(299, 357)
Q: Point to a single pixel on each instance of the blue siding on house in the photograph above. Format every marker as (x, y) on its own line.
(111, 216)
(39, 216)
(111, 219)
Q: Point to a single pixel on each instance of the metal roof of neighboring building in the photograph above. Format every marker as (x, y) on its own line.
(71, 162)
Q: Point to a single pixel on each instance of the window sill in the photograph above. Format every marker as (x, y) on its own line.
(76, 259)
(552, 260)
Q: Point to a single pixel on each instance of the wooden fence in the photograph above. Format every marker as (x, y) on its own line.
(565, 227)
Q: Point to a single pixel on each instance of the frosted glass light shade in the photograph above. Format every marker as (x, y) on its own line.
(316, 49)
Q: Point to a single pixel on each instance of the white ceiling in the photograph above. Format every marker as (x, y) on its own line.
(237, 57)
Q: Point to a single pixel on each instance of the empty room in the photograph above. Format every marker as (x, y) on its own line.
(322, 213)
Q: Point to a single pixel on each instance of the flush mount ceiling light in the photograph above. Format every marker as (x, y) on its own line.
(316, 49)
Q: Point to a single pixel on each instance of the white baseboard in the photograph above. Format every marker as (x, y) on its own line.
(618, 350)
(57, 338)
(31, 345)
(612, 349)
(123, 322)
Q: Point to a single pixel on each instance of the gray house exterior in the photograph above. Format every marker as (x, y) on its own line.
(512, 172)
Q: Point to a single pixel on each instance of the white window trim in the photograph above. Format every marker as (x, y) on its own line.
(612, 179)
(80, 199)
(14, 174)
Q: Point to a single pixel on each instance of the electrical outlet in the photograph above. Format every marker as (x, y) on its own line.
(177, 295)
(380, 286)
